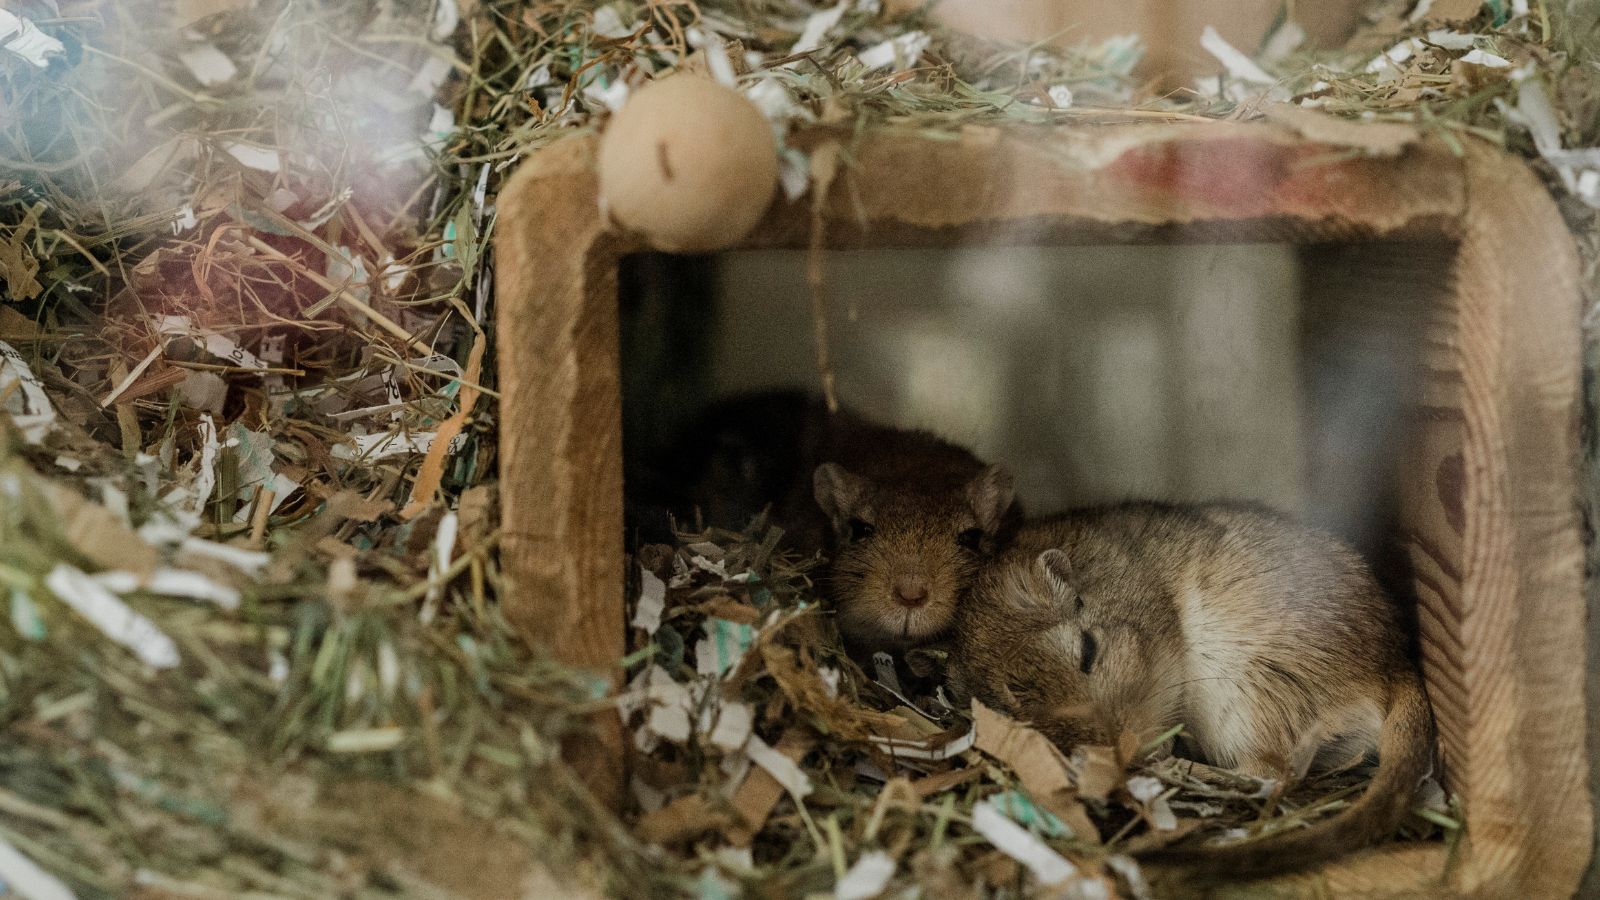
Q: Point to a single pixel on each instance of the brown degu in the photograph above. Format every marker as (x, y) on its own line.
(902, 517)
(1269, 642)
(911, 519)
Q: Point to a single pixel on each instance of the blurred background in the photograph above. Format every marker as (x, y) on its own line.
(1254, 372)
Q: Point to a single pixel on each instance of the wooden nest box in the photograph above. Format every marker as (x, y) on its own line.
(1489, 502)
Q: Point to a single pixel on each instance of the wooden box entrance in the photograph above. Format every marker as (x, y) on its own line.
(1489, 497)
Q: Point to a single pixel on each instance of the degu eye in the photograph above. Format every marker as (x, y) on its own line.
(860, 529)
(1087, 651)
(971, 539)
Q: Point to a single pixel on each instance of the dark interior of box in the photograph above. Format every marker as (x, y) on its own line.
(1280, 374)
(1288, 375)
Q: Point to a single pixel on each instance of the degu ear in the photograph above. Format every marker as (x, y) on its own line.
(990, 495)
(1057, 571)
(839, 493)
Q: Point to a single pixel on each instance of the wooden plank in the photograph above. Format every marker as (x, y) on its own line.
(561, 429)
(1130, 183)
(1522, 607)
(1492, 517)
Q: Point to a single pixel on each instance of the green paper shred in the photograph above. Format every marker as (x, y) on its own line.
(25, 616)
(1023, 811)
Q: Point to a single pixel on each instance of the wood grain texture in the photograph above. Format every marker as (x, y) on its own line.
(1488, 501)
(1523, 611)
(561, 429)
(1398, 872)
(1219, 182)
(1491, 517)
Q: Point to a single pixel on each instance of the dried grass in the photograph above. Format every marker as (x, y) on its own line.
(355, 722)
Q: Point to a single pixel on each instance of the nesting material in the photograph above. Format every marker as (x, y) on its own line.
(248, 382)
(892, 786)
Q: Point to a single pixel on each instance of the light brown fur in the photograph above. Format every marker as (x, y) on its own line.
(907, 527)
(1268, 641)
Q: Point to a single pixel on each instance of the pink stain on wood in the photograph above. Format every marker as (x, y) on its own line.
(1234, 175)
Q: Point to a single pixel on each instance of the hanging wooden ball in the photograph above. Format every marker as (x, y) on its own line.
(688, 163)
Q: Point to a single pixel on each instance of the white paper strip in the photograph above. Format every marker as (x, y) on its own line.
(247, 561)
(271, 348)
(1289, 37)
(281, 487)
(1241, 67)
(22, 37)
(1388, 62)
(1018, 843)
(1480, 58)
(652, 601)
(921, 750)
(669, 705)
(371, 447)
(205, 480)
(716, 53)
(172, 583)
(1144, 788)
(219, 345)
(740, 859)
(208, 65)
(608, 23)
(867, 878)
(773, 99)
(105, 611)
(184, 219)
(1579, 168)
(446, 16)
(1148, 791)
(637, 694)
(434, 70)
(258, 158)
(669, 718)
(902, 52)
(441, 125)
(608, 94)
(830, 680)
(883, 667)
(780, 767)
(444, 544)
(818, 26)
(27, 403)
(21, 875)
(734, 724)
(1450, 40)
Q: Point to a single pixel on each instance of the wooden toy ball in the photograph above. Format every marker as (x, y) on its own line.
(688, 163)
